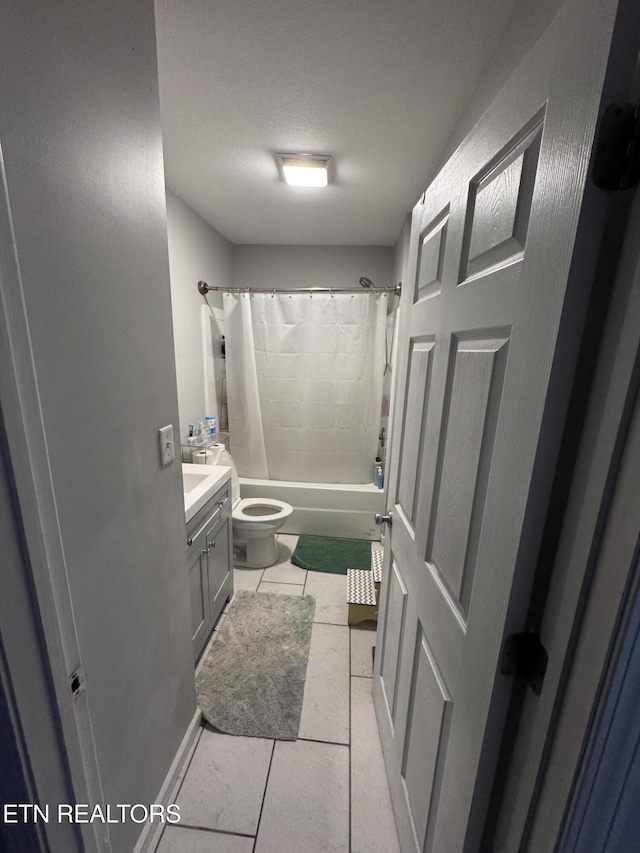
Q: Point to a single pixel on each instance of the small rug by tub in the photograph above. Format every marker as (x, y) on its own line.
(328, 554)
(252, 681)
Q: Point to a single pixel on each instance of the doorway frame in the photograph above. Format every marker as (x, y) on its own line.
(40, 591)
(595, 577)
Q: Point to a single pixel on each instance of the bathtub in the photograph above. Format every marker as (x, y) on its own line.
(323, 509)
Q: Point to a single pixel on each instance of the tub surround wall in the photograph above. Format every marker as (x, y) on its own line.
(82, 146)
(196, 252)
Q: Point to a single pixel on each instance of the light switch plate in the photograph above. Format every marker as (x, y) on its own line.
(167, 447)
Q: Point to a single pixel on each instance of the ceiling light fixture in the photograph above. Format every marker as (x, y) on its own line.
(306, 170)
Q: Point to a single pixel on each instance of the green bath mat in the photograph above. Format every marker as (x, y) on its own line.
(326, 554)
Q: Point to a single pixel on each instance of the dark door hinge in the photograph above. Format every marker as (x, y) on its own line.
(616, 162)
(524, 655)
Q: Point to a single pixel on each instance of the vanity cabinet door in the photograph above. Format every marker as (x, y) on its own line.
(210, 550)
(220, 581)
(199, 588)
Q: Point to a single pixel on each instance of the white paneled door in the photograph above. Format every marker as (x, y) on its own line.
(503, 247)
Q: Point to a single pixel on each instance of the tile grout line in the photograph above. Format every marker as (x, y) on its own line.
(289, 583)
(211, 831)
(334, 743)
(264, 796)
(316, 740)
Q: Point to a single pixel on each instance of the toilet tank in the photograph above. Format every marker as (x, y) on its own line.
(225, 458)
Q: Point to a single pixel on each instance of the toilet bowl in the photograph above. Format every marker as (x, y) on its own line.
(255, 523)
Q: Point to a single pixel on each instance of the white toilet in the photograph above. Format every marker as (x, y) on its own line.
(255, 523)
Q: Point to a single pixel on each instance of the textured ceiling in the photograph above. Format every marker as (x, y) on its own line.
(377, 84)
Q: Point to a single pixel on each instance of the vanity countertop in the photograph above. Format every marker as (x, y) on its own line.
(200, 483)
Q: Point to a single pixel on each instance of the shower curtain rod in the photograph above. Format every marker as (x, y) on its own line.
(204, 288)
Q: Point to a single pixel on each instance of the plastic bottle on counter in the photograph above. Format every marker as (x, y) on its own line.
(212, 426)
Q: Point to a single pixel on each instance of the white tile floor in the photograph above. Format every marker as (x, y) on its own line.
(324, 793)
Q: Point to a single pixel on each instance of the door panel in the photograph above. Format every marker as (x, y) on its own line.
(425, 732)
(466, 441)
(500, 205)
(490, 325)
(392, 644)
(418, 392)
(431, 257)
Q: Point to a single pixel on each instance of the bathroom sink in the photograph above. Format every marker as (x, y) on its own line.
(200, 483)
(190, 480)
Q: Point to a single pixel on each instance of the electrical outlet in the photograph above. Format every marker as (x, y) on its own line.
(167, 447)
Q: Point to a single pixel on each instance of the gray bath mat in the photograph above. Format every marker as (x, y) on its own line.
(252, 681)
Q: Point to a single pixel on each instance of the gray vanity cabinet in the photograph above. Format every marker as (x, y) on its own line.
(210, 550)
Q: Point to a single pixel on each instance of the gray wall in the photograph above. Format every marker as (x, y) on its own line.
(80, 132)
(197, 252)
(311, 266)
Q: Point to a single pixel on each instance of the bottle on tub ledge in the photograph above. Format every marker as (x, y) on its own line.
(378, 474)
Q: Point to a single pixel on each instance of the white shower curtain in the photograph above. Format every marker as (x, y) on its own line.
(304, 384)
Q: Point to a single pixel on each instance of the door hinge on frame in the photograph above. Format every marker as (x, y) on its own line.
(616, 162)
(524, 655)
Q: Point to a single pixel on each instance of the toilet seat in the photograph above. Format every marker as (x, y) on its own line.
(248, 509)
(255, 523)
